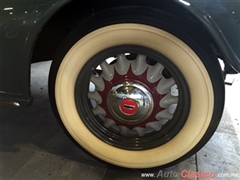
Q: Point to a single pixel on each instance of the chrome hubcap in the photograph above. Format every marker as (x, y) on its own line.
(130, 103)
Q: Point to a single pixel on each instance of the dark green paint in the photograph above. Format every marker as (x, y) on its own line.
(21, 22)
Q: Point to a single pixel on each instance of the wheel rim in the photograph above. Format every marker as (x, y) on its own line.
(134, 101)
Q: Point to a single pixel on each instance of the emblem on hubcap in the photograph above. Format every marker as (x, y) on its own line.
(128, 106)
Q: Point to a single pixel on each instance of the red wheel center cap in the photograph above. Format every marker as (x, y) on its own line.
(128, 106)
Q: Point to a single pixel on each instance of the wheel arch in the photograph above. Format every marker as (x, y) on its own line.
(53, 33)
(57, 28)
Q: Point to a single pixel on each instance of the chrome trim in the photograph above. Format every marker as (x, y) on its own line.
(9, 104)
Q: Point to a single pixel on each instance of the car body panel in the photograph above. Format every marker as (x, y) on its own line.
(222, 20)
(22, 21)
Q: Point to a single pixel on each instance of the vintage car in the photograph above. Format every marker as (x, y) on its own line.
(137, 83)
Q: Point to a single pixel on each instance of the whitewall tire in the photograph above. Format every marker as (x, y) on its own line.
(200, 88)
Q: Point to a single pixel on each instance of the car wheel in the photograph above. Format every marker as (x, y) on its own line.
(136, 92)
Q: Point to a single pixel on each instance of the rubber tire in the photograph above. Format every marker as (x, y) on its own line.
(158, 31)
